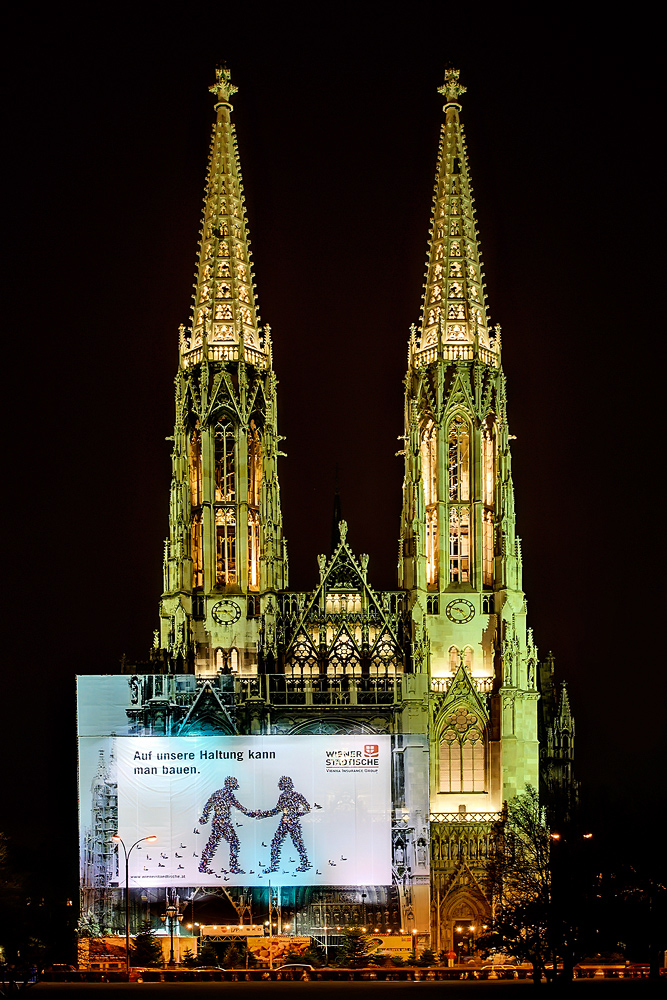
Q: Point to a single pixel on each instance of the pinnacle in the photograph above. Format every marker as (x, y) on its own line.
(223, 88)
(451, 88)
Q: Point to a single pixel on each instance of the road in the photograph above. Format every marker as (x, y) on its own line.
(498, 990)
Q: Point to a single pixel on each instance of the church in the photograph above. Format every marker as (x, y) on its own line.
(444, 668)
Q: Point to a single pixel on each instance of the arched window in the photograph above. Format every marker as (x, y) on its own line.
(455, 658)
(196, 551)
(429, 459)
(463, 752)
(458, 489)
(254, 492)
(195, 468)
(225, 546)
(225, 477)
(253, 550)
(488, 491)
(458, 451)
(459, 544)
(196, 527)
(254, 466)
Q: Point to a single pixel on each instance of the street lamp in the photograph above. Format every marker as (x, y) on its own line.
(171, 915)
(119, 840)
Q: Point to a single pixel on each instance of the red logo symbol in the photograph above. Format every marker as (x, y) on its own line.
(371, 750)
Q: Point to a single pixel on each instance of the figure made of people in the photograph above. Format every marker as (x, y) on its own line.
(221, 804)
(292, 805)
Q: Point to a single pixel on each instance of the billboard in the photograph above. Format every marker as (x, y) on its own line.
(277, 948)
(249, 810)
(232, 811)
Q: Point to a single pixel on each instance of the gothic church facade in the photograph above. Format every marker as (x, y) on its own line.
(447, 656)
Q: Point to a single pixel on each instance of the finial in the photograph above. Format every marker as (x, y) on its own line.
(451, 88)
(223, 88)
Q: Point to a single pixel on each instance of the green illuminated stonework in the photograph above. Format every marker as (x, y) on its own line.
(448, 654)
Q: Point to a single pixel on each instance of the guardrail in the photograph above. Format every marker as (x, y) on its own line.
(427, 974)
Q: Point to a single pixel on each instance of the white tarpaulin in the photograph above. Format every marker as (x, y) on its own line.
(249, 810)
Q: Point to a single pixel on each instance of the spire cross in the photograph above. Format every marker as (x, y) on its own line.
(451, 88)
(223, 88)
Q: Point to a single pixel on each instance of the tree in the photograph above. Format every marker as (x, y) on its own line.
(189, 958)
(354, 948)
(88, 925)
(520, 876)
(207, 954)
(147, 949)
(232, 956)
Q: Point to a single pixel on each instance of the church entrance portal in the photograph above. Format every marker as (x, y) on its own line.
(464, 939)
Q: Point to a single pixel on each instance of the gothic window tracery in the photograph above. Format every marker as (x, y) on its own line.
(196, 550)
(429, 458)
(459, 544)
(455, 658)
(458, 449)
(225, 478)
(488, 491)
(303, 657)
(196, 541)
(384, 658)
(225, 546)
(254, 492)
(253, 550)
(344, 656)
(463, 752)
(195, 468)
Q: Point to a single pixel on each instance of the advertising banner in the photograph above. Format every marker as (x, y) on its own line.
(392, 945)
(254, 810)
(277, 948)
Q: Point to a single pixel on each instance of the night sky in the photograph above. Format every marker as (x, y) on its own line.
(108, 125)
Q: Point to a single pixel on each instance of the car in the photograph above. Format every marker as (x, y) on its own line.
(295, 967)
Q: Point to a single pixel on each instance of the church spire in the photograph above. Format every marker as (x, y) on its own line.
(225, 555)
(225, 314)
(454, 314)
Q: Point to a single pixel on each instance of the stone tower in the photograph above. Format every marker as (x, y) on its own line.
(460, 559)
(225, 546)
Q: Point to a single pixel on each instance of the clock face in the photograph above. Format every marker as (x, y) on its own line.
(226, 612)
(459, 611)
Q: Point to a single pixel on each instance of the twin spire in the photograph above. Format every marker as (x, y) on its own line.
(454, 318)
(226, 314)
